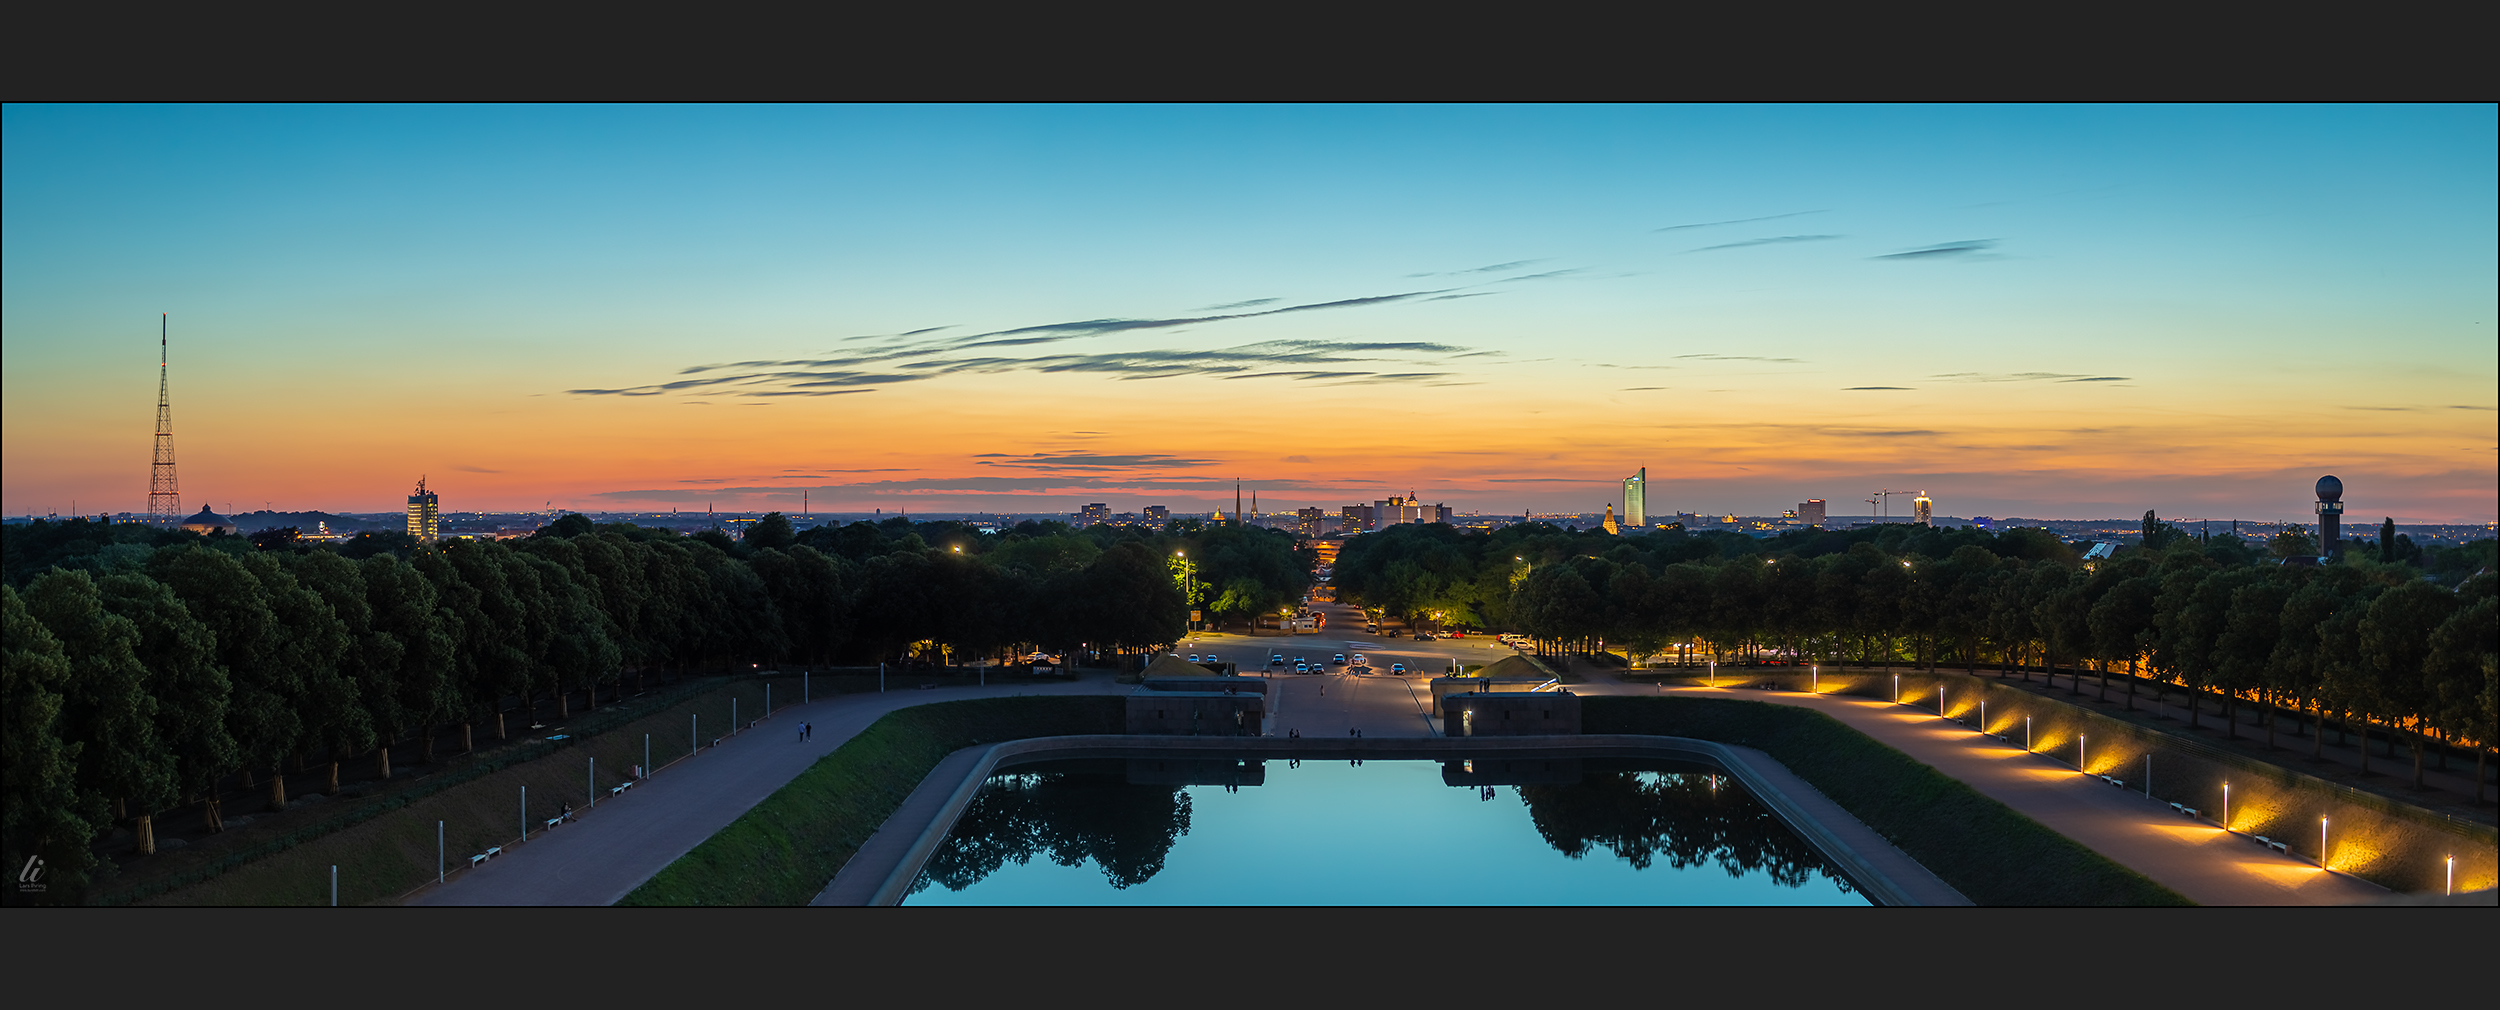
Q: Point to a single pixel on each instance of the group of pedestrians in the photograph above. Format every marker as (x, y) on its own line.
(807, 732)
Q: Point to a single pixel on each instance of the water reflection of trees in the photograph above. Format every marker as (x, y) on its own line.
(1686, 818)
(1070, 817)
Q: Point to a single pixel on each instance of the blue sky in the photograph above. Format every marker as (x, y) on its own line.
(2181, 308)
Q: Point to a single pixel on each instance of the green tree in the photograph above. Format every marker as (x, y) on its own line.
(191, 690)
(343, 710)
(2396, 644)
(773, 532)
(262, 716)
(411, 650)
(44, 815)
(107, 707)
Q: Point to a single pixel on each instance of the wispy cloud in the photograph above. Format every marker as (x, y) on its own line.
(1252, 303)
(1741, 220)
(1741, 357)
(1964, 249)
(2028, 377)
(1096, 461)
(474, 469)
(1774, 240)
(917, 356)
(1493, 269)
(1846, 389)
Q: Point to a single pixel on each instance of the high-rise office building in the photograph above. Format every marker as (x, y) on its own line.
(1635, 509)
(1925, 509)
(1307, 521)
(425, 514)
(1810, 511)
(1396, 511)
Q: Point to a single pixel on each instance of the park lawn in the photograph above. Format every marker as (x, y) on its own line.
(785, 850)
(1985, 849)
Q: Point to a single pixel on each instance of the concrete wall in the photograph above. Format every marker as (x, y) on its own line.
(1196, 713)
(1207, 685)
(1443, 687)
(2385, 841)
(1510, 714)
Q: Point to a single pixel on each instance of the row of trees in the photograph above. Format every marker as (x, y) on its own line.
(2370, 641)
(145, 667)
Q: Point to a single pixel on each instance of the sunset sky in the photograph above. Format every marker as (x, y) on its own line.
(2041, 312)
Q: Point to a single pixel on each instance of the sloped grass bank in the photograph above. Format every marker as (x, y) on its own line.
(1986, 850)
(384, 846)
(784, 850)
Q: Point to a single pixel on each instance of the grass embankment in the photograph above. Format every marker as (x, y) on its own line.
(385, 849)
(788, 847)
(1986, 850)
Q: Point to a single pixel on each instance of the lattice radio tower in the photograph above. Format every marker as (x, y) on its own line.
(164, 495)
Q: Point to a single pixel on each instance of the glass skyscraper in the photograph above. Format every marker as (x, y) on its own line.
(1635, 511)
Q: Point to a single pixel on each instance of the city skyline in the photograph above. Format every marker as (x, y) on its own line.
(2070, 313)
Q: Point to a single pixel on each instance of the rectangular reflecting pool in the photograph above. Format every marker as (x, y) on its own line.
(1593, 831)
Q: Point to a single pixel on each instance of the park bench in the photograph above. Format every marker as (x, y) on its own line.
(928, 687)
(2272, 844)
(619, 788)
(553, 821)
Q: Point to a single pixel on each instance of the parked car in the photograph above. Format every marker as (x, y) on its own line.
(1421, 637)
(1360, 661)
(1193, 657)
(1397, 668)
(1276, 659)
(1339, 659)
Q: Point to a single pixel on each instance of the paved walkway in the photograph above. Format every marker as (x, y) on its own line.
(2207, 864)
(621, 842)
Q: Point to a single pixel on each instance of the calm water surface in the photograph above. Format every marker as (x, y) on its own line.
(1592, 832)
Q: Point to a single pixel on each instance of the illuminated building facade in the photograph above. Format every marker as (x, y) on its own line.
(1158, 516)
(1635, 507)
(1811, 511)
(1925, 510)
(1307, 521)
(1097, 512)
(425, 515)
